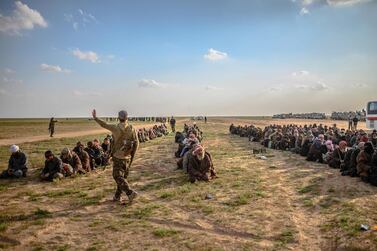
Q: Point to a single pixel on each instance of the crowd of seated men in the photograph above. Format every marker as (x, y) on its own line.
(79, 160)
(353, 152)
(156, 131)
(192, 156)
(252, 132)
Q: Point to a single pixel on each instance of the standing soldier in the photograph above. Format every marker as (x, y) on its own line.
(350, 121)
(355, 121)
(205, 119)
(123, 152)
(172, 123)
(51, 126)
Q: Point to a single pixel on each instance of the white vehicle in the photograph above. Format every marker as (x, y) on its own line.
(371, 115)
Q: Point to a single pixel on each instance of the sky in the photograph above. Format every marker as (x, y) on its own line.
(197, 57)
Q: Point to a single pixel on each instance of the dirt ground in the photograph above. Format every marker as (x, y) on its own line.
(282, 203)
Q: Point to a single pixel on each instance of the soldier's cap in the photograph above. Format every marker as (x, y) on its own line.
(122, 114)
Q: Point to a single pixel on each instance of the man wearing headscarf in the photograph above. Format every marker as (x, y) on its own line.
(16, 165)
(123, 152)
(338, 156)
(200, 166)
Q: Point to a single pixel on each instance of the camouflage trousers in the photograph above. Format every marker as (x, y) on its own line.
(120, 174)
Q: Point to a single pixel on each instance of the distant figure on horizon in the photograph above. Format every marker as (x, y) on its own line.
(205, 119)
(172, 123)
(51, 126)
(355, 121)
(350, 121)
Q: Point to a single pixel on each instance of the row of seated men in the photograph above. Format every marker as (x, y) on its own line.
(193, 157)
(354, 152)
(154, 132)
(250, 131)
(79, 160)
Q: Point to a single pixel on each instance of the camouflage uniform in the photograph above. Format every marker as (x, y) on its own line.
(51, 127)
(125, 144)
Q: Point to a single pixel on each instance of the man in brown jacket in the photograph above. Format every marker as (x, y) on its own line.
(123, 152)
(200, 166)
(72, 159)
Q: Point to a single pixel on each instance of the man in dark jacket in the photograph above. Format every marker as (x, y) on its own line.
(16, 165)
(53, 167)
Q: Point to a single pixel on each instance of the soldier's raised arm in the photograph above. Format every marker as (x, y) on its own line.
(102, 123)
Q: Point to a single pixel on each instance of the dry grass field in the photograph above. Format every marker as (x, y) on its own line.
(282, 203)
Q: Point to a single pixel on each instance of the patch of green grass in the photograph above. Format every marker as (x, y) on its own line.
(308, 202)
(308, 189)
(164, 232)
(3, 187)
(88, 201)
(63, 247)
(240, 200)
(167, 194)
(40, 213)
(286, 236)
(3, 226)
(144, 212)
(53, 194)
(39, 222)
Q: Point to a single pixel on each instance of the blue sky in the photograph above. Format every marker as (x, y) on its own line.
(216, 57)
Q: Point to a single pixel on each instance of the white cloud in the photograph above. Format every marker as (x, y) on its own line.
(12, 80)
(300, 73)
(213, 88)
(337, 3)
(360, 85)
(3, 92)
(88, 94)
(22, 18)
(275, 89)
(86, 55)
(9, 71)
(304, 11)
(319, 86)
(215, 55)
(150, 83)
(80, 19)
(53, 68)
(316, 86)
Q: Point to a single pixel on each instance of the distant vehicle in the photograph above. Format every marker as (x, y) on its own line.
(371, 116)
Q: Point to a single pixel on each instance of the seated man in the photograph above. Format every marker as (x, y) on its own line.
(53, 168)
(83, 155)
(317, 149)
(90, 151)
(71, 162)
(200, 166)
(338, 156)
(16, 165)
(98, 153)
(106, 147)
(364, 161)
